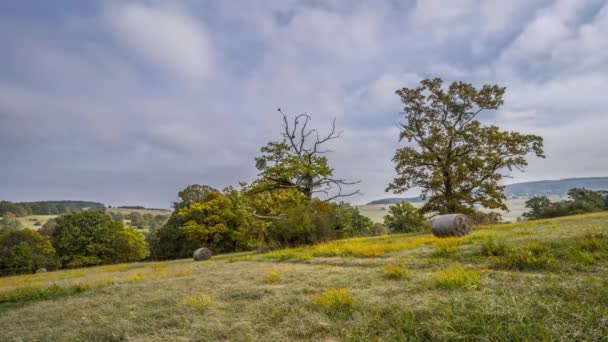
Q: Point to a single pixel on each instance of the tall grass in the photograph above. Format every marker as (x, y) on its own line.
(334, 300)
(458, 277)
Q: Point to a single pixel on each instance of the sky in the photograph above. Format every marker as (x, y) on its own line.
(127, 102)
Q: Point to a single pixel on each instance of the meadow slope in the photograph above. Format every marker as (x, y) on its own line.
(540, 280)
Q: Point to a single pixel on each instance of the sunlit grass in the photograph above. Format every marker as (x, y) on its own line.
(272, 277)
(458, 277)
(336, 300)
(197, 302)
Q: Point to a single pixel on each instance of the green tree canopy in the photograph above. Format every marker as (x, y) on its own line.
(456, 160)
(23, 251)
(403, 217)
(93, 237)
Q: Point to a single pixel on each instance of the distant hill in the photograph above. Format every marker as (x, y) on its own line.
(555, 187)
(393, 200)
(528, 189)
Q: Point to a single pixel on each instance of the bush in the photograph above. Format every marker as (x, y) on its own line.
(403, 217)
(23, 251)
(480, 217)
(379, 229)
(458, 277)
(335, 300)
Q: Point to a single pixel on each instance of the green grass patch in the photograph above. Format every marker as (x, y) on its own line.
(197, 302)
(532, 256)
(334, 300)
(272, 277)
(457, 277)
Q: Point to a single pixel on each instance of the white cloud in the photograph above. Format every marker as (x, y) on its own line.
(167, 37)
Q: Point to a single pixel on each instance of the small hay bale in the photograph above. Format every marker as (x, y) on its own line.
(202, 254)
(451, 225)
(41, 270)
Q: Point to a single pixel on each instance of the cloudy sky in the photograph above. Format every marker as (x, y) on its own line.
(126, 102)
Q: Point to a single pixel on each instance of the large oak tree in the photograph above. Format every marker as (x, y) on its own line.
(451, 156)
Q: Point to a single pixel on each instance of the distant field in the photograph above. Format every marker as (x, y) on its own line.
(540, 280)
(516, 209)
(30, 221)
(141, 211)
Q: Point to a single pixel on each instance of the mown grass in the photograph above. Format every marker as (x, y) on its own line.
(530, 281)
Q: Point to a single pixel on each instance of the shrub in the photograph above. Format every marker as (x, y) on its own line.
(379, 229)
(272, 277)
(403, 217)
(198, 302)
(336, 300)
(490, 246)
(457, 277)
(23, 251)
(532, 256)
(480, 217)
(396, 271)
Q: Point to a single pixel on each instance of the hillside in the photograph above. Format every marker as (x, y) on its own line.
(537, 280)
(528, 189)
(555, 187)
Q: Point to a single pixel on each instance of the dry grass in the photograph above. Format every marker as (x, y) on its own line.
(396, 271)
(336, 291)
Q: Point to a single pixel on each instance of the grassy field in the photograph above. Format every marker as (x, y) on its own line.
(541, 280)
(35, 222)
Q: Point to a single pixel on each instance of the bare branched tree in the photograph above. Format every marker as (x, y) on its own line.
(299, 162)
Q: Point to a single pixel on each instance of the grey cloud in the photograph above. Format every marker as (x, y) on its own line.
(132, 102)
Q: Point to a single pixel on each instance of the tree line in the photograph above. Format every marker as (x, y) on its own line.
(580, 201)
(46, 207)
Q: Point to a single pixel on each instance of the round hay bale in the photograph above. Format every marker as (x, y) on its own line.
(451, 225)
(41, 270)
(202, 254)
